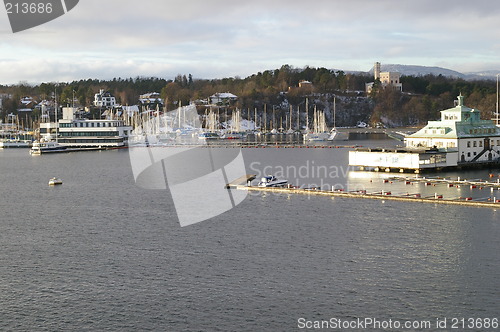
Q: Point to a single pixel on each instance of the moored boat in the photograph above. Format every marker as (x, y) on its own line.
(272, 181)
(55, 182)
(15, 143)
(208, 135)
(46, 147)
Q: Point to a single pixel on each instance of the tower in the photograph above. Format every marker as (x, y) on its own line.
(376, 70)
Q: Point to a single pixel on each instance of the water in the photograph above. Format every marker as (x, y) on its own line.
(99, 253)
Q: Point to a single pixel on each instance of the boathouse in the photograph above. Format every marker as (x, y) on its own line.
(459, 139)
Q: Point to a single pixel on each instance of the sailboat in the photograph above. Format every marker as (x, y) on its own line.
(234, 131)
(319, 131)
(210, 127)
(334, 133)
(273, 131)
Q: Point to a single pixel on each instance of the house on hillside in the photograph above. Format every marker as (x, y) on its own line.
(151, 99)
(27, 102)
(104, 99)
(305, 84)
(224, 98)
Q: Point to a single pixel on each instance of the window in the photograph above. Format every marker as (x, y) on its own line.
(468, 154)
(468, 144)
(480, 144)
(475, 144)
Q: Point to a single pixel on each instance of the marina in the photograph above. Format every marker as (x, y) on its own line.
(265, 166)
(347, 246)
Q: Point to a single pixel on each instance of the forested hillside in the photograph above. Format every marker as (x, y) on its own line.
(278, 89)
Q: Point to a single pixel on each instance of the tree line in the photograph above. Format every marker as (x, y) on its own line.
(421, 100)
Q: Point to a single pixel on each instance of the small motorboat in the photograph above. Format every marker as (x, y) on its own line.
(55, 182)
(272, 181)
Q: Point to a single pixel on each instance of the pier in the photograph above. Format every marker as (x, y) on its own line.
(387, 195)
(241, 181)
(243, 145)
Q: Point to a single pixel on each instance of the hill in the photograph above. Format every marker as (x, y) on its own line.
(415, 70)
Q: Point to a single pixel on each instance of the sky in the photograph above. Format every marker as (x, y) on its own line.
(105, 39)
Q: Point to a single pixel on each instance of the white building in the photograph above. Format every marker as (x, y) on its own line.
(104, 99)
(150, 98)
(460, 138)
(460, 128)
(224, 98)
(387, 79)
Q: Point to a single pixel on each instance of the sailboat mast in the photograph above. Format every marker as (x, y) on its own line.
(274, 119)
(55, 111)
(315, 120)
(298, 117)
(334, 113)
(265, 118)
(255, 119)
(307, 113)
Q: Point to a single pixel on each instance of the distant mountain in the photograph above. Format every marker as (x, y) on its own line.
(483, 75)
(412, 70)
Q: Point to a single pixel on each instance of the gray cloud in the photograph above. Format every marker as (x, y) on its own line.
(218, 38)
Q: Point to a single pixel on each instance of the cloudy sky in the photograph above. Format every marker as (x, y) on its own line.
(223, 38)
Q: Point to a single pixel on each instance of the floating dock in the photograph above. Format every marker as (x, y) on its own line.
(243, 145)
(387, 195)
(241, 181)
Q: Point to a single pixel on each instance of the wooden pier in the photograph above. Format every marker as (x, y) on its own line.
(241, 181)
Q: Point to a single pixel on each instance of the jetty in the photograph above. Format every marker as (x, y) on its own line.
(241, 181)
(388, 195)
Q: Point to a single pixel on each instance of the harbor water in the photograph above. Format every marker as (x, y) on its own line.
(100, 253)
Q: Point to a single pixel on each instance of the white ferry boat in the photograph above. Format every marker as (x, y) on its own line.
(71, 134)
